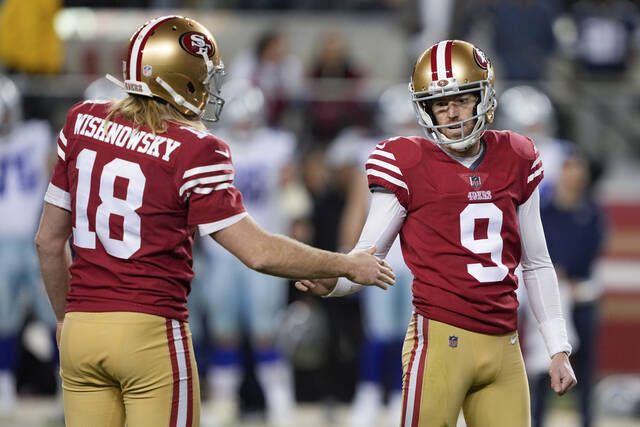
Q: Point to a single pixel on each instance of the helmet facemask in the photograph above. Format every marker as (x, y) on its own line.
(213, 83)
(485, 105)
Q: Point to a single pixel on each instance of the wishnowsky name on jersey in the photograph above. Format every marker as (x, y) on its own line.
(125, 137)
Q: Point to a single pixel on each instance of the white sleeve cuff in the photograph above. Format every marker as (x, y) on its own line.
(212, 227)
(343, 288)
(58, 197)
(554, 333)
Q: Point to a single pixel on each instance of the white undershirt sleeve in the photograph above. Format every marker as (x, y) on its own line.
(381, 228)
(540, 278)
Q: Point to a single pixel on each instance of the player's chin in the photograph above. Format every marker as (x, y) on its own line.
(453, 133)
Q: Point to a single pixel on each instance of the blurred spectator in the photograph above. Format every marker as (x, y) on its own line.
(517, 33)
(24, 169)
(334, 380)
(336, 86)
(239, 300)
(605, 30)
(427, 21)
(575, 231)
(274, 70)
(523, 37)
(529, 111)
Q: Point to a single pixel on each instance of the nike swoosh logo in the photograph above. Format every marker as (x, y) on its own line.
(513, 339)
(225, 153)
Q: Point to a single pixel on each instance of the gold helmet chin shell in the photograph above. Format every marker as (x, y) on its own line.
(172, 49)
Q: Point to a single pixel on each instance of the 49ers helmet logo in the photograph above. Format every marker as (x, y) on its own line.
(196, 44)
(480, 58)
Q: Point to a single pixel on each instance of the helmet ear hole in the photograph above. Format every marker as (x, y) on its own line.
(191, 88)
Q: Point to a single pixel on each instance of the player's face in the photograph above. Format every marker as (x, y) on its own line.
(452, 109)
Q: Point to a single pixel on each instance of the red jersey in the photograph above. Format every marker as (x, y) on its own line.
(461, 237)
(136, 200)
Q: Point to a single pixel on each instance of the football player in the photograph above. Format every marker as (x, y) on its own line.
(25, 150)
(466, 205)
(133, 182)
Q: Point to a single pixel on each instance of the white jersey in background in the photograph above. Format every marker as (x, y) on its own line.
(24, 175)
(259, 159)
(238, 300)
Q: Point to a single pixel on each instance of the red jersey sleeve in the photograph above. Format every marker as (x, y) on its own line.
(384, 170)
(58, 192)
(532, 164)
(205, 183)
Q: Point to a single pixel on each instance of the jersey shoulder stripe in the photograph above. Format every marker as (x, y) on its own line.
(387, 163)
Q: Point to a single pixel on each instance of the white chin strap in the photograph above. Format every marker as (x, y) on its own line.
(115, 81)
(179, 99)
(143, 89)
(455, 144)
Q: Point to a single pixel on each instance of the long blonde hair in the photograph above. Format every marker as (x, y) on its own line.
(149, 112)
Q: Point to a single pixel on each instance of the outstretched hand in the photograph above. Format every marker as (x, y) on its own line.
(370, 270)
(561, 373)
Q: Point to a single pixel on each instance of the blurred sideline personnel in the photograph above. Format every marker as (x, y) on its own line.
(384, 315)
(238, 299)
(575, 229)
(466, 205)
(529, 111)
(25, 148)
(102, 89)
(133, 182)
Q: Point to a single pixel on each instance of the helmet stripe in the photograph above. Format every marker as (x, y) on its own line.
(441, 60)
(127, 75)
(447, 58)
(434, 63)
(135, 59)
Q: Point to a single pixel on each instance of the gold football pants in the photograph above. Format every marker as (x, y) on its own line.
(128, 367)
(446, 369)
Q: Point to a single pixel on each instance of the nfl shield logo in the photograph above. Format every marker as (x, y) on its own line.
(475, 181)
(453, 341)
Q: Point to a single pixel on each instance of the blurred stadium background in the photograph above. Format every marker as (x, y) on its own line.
(339, 56)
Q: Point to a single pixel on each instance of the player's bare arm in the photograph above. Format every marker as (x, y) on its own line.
(53, 253)
(282, 256)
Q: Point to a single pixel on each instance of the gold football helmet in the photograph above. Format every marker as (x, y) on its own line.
(453, 67)
(176, 59)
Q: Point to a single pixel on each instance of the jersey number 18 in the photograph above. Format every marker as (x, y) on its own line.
(110, 205)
